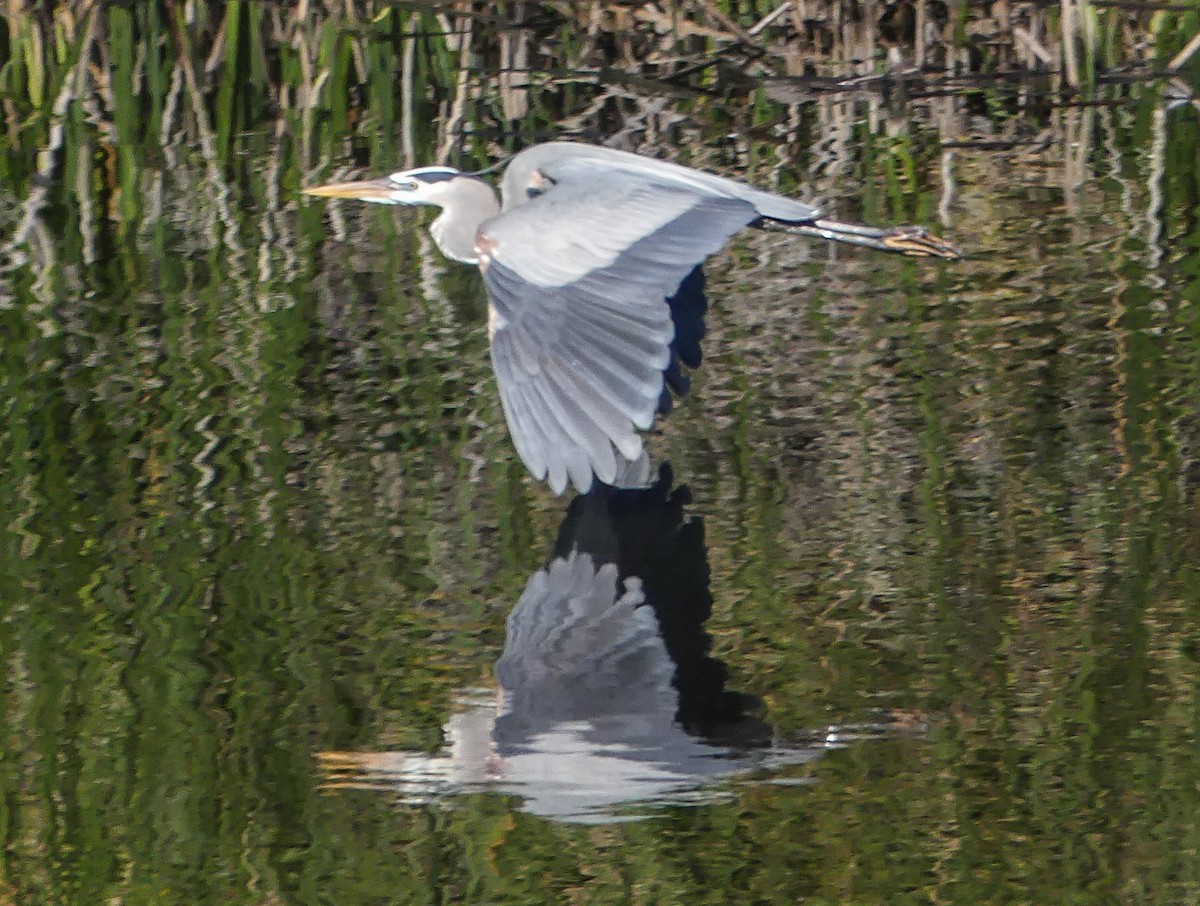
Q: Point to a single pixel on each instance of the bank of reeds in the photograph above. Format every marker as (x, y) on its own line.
(105, 98)
(300, 58)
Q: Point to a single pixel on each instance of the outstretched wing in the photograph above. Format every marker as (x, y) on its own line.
(577, 280)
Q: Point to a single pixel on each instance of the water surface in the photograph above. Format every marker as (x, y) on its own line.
(930, 527)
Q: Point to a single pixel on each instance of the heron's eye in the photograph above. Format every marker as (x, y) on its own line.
(408, 185)
(538, 184)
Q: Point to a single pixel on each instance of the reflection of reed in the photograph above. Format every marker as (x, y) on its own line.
(71, 87)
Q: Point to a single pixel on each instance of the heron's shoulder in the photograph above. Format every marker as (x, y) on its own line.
(563, 150)
(552, 157)
(535, 170)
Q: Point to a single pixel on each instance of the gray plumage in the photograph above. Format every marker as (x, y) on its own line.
(579, 261)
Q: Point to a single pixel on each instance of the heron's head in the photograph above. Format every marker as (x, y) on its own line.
(424, 185)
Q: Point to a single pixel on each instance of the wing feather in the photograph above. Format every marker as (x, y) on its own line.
(627, 384)
(610, 418)
(639, 349)
(588, 439)
(579, 280)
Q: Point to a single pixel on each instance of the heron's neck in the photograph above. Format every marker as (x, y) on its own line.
(469, 203)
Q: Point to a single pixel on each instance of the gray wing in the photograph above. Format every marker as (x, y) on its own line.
(581, 644)
(577, 280)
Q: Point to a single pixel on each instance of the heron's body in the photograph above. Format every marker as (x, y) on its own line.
(587, 260)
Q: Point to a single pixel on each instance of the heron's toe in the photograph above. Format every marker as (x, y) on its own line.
(919, 243)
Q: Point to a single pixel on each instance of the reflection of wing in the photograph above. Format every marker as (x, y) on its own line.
(648, 534)
(578, 279)
(608, 694)
(578, 648)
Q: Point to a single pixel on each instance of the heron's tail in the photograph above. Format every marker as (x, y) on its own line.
(915, 241)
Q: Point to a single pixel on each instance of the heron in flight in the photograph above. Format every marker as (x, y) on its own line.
(591, 262)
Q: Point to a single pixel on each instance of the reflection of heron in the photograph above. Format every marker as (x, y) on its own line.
(612, 631)
(595, 296)
(608, 695)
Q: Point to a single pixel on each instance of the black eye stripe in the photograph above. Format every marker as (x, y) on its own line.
(429, 176)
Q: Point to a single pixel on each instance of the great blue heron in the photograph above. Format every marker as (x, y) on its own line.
(595, 298)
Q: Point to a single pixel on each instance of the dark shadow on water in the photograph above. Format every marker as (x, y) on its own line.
(608, 699)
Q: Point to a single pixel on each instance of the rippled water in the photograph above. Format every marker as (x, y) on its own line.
(285, 621)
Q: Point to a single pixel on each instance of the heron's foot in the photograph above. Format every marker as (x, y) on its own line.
(918, 242)
(915, 241)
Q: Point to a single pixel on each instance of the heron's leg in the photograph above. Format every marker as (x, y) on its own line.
(905, 240)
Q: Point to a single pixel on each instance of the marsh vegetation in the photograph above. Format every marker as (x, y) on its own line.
(260, 506)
